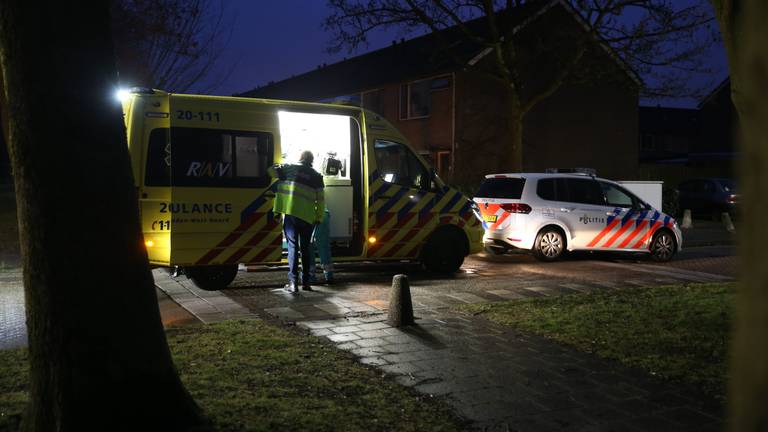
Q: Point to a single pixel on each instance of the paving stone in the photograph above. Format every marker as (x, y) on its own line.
(345, 329)
(399, 368)
(322, 332)
(371, 342)
(285, 313)
(373, 326)
(372, 333)
(343, 337)
(405, 347)
(467, 298)
(369, 352)
(317, 324)
(372, 361)
(333, 309)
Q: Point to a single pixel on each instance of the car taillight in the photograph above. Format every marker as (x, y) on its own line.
(516, 208)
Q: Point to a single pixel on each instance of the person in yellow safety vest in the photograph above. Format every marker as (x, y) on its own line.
(299, 198)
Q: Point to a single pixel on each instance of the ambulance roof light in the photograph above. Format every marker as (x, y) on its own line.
(123, 93)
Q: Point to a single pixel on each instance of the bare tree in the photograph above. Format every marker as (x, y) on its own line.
(173, 45)
(742, 23)
(98, 354)
(647, 34)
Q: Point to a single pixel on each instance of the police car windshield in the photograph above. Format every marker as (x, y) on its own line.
(501, 187)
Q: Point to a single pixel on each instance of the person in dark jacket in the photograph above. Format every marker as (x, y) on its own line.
(299, 198)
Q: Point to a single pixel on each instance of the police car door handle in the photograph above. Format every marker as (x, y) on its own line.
(567, 209)
(610, 213)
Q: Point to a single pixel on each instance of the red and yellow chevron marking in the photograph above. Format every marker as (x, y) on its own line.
(260, 233)
(632, 235)
(640, 243)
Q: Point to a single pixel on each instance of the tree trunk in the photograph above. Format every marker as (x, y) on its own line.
(514, 157)
(97, 349)
(744, 32)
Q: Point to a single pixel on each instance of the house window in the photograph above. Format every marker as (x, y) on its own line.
(415, 100)
(648, 142)
(374, 101)
(416, 96)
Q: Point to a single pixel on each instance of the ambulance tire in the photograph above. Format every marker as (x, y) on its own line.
(212, 278)
(663, 246)
(549, 245)
(445, 251)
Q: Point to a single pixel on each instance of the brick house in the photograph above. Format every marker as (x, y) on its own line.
(456, 117)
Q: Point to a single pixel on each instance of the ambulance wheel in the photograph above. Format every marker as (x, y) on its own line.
(212, 278)
(445, 251)
(663, 246)
(549, 245)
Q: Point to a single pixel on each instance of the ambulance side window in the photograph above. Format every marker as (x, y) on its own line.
(158, 172)
(220, 158)
(397, 164)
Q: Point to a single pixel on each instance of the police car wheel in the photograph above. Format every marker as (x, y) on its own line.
(549, 245)
(442, 253)
(662, 246)
(212, 278)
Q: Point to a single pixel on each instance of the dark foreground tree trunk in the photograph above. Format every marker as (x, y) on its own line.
(745, 34)
(98, 354)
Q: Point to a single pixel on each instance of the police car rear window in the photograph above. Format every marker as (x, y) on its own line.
(501, 187)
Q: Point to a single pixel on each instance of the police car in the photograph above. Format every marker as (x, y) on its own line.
(551, 213)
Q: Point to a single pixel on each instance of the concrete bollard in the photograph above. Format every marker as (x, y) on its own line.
(687, 221)
(727, 222)
(400, 307)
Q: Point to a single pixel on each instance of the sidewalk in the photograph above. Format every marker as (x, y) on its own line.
(500, 379)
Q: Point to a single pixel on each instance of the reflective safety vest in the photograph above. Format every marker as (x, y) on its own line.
(299, 192)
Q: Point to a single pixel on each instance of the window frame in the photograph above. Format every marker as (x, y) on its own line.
(235, 181)
(429, 90)
(412, 154)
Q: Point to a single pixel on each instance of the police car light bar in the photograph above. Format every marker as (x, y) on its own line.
(582, 171)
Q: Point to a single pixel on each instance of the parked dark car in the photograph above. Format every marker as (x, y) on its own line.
(710, 196)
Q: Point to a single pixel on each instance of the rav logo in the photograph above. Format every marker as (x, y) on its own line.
(208, 169)
(588, 220)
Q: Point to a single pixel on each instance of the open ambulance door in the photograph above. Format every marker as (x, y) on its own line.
(336, 142)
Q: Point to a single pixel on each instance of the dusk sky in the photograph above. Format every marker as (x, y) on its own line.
(273, 40)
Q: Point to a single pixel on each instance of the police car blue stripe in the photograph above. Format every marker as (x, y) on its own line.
(627, 217)
(616, 212)
(640, 218)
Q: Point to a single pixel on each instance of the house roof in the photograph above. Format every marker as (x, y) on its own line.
(669, 121)
(726, 84)
(407, 60)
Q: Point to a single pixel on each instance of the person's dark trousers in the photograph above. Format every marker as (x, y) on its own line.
(298, 234)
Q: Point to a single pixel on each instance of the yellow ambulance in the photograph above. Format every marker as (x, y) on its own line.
(200, 165)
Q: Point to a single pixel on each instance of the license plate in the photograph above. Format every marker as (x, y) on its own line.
(489, 218)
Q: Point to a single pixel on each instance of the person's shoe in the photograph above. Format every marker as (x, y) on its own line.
(307, 287)
(329, 278)
(291, 287)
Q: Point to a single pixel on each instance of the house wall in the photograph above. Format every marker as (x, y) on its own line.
(585, 126)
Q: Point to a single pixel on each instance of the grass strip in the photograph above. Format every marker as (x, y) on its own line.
(678, 332)
(251, 376)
